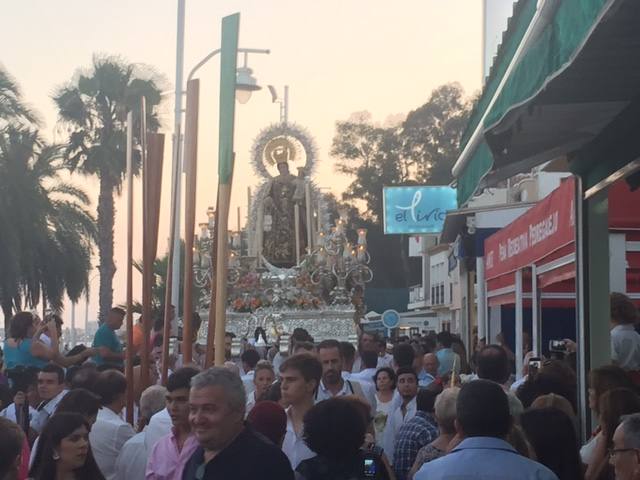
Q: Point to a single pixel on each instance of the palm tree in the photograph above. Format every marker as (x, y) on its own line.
(12, 108)
(47, 230)
(94, 106)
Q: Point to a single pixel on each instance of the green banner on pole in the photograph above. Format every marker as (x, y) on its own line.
(228, 64)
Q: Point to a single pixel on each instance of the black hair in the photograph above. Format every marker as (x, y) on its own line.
(105, 367)
(403, 355)
(5, 397)
(334, 429)
(85, 377)
(425, 400)
(405, 371)
(71, 371)
(109, 385)
(389, 371)
(330, 343)
(157, 341)
(369, 359)
(482, 410)
(79, 400)
(53, 368)
(301, 334)
(119, 311)
(347, 351)
(181, 378)
(59, 426)
(445, 339)
(493, 364)
(273, 393)
(21, 378)
(251, 357)
(553, 437)
(75, 351)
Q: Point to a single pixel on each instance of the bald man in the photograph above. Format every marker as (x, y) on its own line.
(429, 371)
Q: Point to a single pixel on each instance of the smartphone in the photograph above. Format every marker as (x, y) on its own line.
(369, 469)
(534, 366)
(557, 346)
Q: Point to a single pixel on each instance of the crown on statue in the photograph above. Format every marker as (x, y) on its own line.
(280, 150)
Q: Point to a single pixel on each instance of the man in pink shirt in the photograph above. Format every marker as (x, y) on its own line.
(170, 454)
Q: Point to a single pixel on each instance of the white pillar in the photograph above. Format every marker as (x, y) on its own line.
(73, 324)
(536, 323)
(495, 323)
(618, 262)
(518, 329)
(482, 298)
(177, 164)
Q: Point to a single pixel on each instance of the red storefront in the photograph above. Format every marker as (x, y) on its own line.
(530, 263)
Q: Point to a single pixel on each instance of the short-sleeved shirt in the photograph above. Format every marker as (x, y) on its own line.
(106, 337)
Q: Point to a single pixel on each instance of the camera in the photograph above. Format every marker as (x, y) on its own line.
(534, 366)
(558, 346)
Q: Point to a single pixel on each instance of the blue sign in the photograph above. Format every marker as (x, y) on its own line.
(390, 319)
(418, 209)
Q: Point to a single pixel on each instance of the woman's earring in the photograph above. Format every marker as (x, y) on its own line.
(56, 456)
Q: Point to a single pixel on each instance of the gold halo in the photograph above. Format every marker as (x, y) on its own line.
(280, 150)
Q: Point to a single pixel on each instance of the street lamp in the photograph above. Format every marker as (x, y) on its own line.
(246, 83)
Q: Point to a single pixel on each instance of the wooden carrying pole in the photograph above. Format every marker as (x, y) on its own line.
(191, 171)
(152, 186)
(129, 350)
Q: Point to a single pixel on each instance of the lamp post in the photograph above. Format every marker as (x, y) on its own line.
(245, 85)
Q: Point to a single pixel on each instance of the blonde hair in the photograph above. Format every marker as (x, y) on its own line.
(445, 409)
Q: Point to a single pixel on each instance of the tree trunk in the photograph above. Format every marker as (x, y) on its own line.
(107, 268)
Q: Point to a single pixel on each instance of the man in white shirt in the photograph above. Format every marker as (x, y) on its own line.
(110, 432)
(407, 384)
(299, 375)
(332, 383)
(250, 359)
(51, 390)
(370, 366)
(625, 341)
(132, 459)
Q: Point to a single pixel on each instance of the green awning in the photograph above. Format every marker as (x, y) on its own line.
(553, 50)
(522, 14)
(479, 165)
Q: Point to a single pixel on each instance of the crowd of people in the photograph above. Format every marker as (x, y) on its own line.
(423, 409)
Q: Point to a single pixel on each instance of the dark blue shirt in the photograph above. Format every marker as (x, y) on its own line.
(249, 457)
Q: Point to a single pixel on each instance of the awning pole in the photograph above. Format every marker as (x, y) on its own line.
(536, 320)
(519, 354)
(482, 299)
(581, 327)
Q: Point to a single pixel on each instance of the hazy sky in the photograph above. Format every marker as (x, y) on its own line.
(337, 56)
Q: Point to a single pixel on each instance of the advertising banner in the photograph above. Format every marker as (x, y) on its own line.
(417, 209)
(542, 230)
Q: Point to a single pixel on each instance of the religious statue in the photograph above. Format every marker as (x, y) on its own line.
(284, 199)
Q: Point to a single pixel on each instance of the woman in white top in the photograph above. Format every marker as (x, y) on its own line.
(601, 380)
(385, 381)
(262, 380)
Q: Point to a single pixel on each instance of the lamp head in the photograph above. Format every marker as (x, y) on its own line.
(246, 83)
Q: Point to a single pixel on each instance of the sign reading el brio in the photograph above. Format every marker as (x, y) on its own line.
(417, 209)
